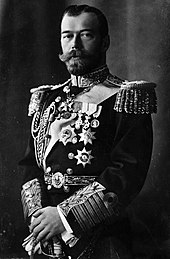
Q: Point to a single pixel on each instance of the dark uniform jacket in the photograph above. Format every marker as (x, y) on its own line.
(89, 153)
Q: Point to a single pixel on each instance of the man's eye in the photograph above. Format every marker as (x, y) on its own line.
(67, 36)
(87, 35)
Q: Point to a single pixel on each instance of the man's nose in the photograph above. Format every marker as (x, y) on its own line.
(76, 42)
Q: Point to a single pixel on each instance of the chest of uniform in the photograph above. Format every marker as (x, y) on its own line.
(74, 138)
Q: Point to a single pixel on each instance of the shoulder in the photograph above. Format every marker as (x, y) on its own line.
(113, 81)
(136, 97)
(39, 96)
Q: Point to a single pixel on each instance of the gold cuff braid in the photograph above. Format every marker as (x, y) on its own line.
(90, 205)
(31, 197)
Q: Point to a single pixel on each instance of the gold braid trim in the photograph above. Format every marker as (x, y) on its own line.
(39, 94)
(90, 205)
(35, 102)
(137, 97)
(31, 197)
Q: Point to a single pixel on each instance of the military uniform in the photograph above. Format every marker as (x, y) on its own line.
(89, 154)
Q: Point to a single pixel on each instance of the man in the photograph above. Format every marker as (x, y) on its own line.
(90, 149)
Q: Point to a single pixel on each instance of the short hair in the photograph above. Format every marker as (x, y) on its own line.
(75, 10)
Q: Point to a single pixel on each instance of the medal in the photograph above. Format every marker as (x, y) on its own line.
(79, 121)
(67, 135)
(97, 113)
(95, 123)
(86, 122)
(87, 136)
(84, 157)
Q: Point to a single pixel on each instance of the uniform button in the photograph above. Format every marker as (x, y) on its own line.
(66, 188)
(110, 198)
(70, 155)
(69, 171)
(58, 99)
(48, 170)
(74, 140)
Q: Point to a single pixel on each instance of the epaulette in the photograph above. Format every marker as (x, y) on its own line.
(136, 97)
(38, 96)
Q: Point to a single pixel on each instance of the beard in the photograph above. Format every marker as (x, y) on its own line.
(79, 62)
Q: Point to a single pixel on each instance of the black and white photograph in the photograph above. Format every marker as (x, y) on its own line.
(84, 129)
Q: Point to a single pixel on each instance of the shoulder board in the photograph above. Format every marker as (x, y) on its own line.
(38, 95)
(136, 97)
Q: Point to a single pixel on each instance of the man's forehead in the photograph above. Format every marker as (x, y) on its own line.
(79, 22)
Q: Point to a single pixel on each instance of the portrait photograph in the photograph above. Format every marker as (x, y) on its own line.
(84, 129)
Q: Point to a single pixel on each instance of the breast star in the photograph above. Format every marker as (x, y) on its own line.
(67, 134)
(84, 157)
(87, 136)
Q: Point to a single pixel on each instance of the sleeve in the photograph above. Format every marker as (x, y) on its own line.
(119, 183)
(33, 192)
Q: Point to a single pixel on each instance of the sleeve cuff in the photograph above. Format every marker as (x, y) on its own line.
(31, 197)
(90, 206)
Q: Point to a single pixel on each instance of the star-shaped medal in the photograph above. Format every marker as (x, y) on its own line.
(84, 157)
(87, 136)
(66, 135)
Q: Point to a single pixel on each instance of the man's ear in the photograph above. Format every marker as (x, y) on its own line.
(105, 43)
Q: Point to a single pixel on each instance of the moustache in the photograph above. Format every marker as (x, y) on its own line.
(73, 53)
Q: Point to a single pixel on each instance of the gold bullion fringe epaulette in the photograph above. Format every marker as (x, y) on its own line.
(90, 205)
(38, 95)
(136, 97)
(31, 197)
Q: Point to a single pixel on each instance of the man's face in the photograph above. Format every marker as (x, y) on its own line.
(81, 43)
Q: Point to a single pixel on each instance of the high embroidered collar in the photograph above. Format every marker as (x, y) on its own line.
(92, 78)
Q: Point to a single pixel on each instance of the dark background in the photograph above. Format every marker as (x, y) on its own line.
(29, 47)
